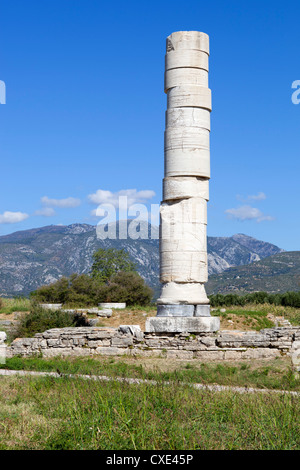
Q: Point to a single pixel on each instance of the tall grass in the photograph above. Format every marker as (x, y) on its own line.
(17, 304)
(276, 375)
(52, 414)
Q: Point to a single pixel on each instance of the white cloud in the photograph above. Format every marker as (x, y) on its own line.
(247, 213)
(68, 202)
(254, 197)
(258, 197)
(12, 217)
(117, 199)
(45, 212)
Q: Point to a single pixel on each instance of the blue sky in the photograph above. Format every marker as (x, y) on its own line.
(84, 112)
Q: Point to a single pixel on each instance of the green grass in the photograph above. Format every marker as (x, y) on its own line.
(18, 304)
(274, 375)
(260, 312)
(255, 319)
(53, 414)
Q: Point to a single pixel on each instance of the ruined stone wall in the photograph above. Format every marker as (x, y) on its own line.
(130, 340)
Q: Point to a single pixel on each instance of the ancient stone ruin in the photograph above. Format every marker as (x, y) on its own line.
(183, 304)
(183, 327)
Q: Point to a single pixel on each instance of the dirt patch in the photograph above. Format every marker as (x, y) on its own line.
(236, 322)
(126, 317)
(7, 316)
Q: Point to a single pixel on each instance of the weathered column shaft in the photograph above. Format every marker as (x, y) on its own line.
(183, 212)
(183, 248)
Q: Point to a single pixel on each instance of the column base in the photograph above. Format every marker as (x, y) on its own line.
(173, 324)
(183, 310)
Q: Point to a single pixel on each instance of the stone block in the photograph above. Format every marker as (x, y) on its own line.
(122, 341)
(233, 355)
(105, 312)
(189, 96)
(179, 324)
(115, 305)
(261, 353)
(179, 187)
(102, 333)
(171, 310)
(186, 59)
(182, 40)
(185, 76)
(209, 355)
(295, 354)
(54, 343)
(2, 353)
(177, 293)
(112, 351)
(134, 330)
(51, 306)
(187, 161)
(3, 337)
(208, 342)
(179, 354)
(236, 338)
(186, 138)
(202, 310)
(183, 267)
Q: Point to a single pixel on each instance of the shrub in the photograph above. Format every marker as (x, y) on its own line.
(288, 299)
(40, 320)
(108, 262)
(57, 292)
(129, 287)
(1, 303)
(84, 290)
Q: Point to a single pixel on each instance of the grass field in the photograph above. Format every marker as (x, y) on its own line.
(250, 317)
(64, 413)
(273, 374)
(46, 413)
(18, 304)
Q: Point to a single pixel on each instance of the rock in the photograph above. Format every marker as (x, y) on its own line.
(295, 355)
(134, 330)
(105, 312)
(112, 305)
(122, 341)
(236, 338)
(3, 337)
(51, 306)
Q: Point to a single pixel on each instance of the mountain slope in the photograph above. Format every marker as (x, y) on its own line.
(276, 273)
(39, 256)
(224, 252)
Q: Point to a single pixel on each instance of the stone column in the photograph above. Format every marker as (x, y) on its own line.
(183, 304)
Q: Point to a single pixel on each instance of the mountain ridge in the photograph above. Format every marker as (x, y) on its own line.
(37, 256)
(277, 273)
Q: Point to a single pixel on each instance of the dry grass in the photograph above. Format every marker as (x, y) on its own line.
(52, 414)
(128, 316)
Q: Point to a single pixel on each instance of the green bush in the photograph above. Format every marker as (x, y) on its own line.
(129, 287)
(108, 262)
(40, 320)
(84, 290)
(288, 299)
(56, 292)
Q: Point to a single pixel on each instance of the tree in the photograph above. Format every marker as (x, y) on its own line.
(129, 287)
(110, 262)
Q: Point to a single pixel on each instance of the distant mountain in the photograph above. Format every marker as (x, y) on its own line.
(238, 250)
(31, 258)
(278, 273)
